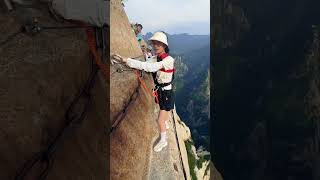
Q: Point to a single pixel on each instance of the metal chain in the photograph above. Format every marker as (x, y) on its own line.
(120, 117)
(45, 157)
(121, 67)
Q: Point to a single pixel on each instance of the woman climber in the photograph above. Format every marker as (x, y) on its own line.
(163, 74)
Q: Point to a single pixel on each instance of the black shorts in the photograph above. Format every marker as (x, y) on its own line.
(166, 99)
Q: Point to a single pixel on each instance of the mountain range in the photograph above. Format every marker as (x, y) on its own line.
(184, 43)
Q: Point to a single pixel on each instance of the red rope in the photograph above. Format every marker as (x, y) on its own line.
(146, 89)
(93, 49)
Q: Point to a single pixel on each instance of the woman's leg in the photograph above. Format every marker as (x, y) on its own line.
(164, 102)
(163, 116)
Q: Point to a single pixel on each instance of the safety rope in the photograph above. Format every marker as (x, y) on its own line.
(152, 93)
(145, 87)
(177, 140)
(119, 118)
(92, 46)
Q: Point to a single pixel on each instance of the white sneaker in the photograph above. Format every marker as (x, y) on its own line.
(167, 125)
(160, 146)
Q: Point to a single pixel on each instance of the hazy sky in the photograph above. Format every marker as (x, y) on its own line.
(172, 16)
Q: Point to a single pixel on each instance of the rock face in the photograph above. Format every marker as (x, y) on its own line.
(312, 100)
(267, 114)
(39, 76)
(230, 23)
(130, 143)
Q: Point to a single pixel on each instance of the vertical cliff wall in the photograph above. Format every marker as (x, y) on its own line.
(266, 89)
(39, 76)
(312, 102)
(131, 142)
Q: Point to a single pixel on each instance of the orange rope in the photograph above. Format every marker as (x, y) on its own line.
(155, 94)
(93, 49)
(104, 68)
(152, 93)
(92, 46)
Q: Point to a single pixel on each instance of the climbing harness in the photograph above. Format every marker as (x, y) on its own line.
(161, 85)
(45, 157)
(177, 140)
(155, 94)
(152, 92)
(163, 56)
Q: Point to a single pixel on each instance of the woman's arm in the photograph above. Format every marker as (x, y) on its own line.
(146, 66)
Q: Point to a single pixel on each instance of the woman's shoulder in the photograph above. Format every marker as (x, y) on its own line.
(169, 58)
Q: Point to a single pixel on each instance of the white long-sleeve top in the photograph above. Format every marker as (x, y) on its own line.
(153, 66)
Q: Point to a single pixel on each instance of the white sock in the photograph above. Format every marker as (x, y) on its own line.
(163, 136)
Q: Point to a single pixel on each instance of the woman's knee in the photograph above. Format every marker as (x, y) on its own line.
(163, 114)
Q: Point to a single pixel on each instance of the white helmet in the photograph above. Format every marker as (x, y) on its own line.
(160, 36)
